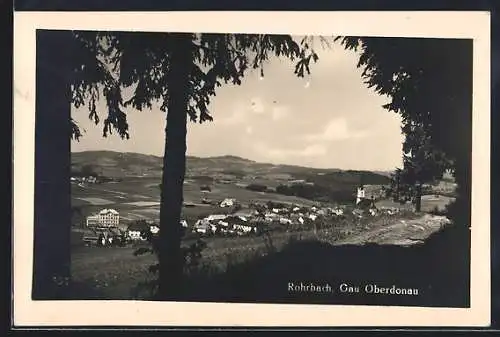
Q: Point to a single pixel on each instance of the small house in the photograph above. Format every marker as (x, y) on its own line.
(154, 229)
(227, 203)
(244, 228)
(215, 217)
(202, 228)
(338, 211)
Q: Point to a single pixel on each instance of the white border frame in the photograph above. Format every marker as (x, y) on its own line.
(475, 25)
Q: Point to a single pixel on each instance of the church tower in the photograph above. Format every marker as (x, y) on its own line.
(361, 194)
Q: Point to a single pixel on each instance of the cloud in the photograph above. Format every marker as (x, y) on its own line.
(249, 130)
(280, 112)
(336, 129)
(314, 150)
(242, 112)
(308, 83)
(236, 117)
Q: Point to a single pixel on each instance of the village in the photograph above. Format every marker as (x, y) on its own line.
(234, 219)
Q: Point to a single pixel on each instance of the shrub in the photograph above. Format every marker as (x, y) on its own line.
(192, 255)
(205, 188)
(257, 187)
(316, 192)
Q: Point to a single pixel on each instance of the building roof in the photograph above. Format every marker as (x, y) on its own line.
(216, 217)
(108, 210)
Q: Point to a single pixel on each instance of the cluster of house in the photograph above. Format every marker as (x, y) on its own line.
(250, 221)
(246, 222)
(81, 181)
(135, 230)
(225, 223)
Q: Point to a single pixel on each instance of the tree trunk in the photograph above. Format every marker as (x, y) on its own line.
(418, 198)
(461, 145)
(52, 208)
(396, 198)
(174, 166)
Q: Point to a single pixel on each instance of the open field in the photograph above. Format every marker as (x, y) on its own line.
(227, 176)
(139, 199)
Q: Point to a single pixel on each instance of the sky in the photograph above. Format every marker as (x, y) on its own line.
(329, 119)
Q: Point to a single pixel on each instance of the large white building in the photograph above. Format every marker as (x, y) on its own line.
(105, 218)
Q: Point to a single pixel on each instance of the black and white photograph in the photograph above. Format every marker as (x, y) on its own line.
(254, 168)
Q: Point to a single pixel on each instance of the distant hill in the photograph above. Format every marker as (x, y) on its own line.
(117, 164)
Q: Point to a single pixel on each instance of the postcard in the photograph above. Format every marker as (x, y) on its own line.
(251, 169)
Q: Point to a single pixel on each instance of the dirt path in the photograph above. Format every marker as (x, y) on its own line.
(402, 232)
